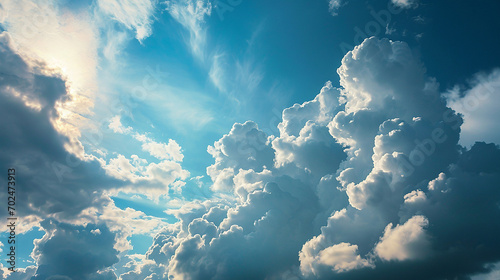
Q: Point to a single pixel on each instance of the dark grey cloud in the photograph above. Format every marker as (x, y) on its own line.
(50, 179)
(74, 252)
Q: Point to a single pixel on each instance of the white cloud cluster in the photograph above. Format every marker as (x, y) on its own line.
(341, 257)
(365, 181)
(154, 178)
(157, 176)
(407, 241)
(170, 151)
(117, 127)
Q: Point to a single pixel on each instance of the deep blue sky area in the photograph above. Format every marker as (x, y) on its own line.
(460, 39)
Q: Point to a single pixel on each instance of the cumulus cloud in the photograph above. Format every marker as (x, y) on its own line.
(415, 196)
(245, 147)
(21, 273)
(157, 177)
(153, 178)
(58, 37)
(403, 242)
(364, 181)
(342, 257)
(477, 102)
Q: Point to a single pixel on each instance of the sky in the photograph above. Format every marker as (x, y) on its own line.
(237, 139)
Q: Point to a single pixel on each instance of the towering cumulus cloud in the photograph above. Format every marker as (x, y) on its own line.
(363, 182)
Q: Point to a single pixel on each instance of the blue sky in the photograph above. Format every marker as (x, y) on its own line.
(303, 139)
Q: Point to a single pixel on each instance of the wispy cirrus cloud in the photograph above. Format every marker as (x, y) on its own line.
(334, 6)
(191, 15)
(133, 14)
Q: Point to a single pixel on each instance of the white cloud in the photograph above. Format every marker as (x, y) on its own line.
(415, 197)
(217, 72)
(116, 126)
(406, 4)
(191, 14)
(21, 273)
(155, 175)
(334, 6)
(170, 151)
(244, 147)
(137, 15)
(404, 242)
(384, 122)
(342, 257)
(478, 103)
(155, 178)
(329, 187)
(121, 168)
